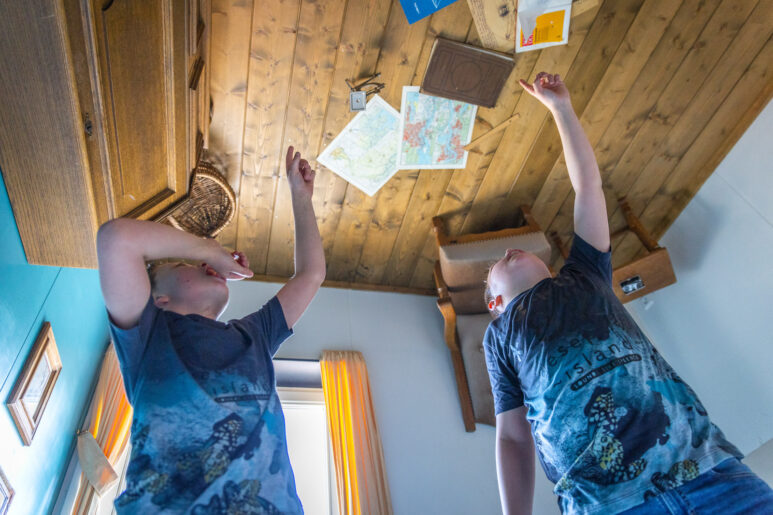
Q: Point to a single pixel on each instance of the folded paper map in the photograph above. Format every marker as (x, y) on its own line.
(433, 131)
(365, 152)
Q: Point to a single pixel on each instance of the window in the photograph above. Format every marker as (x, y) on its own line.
(308, 444)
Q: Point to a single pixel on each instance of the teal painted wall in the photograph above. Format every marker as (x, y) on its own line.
(70, 299)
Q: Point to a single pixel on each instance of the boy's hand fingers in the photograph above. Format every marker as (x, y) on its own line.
(233, 276)
(306, 171)
(241, 273)
(244, 271)
(289, 156)
(240, 258)
(537, 87)
(293, 158)
(525, 85)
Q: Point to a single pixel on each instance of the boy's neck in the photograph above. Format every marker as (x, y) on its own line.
(182, 309)
(528, 285)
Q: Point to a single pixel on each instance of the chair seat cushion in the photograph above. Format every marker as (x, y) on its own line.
(470, 330)
(465, 266)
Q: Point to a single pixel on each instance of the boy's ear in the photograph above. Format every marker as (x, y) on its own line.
(161, 301)
(496, 305)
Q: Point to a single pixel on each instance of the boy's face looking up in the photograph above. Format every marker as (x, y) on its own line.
(515, 273)
(187, 289)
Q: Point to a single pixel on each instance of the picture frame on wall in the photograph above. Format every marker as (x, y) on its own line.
(34, 385)
(6, 493)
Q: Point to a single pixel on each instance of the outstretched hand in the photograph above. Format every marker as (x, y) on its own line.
(299, 173)
(548, 89)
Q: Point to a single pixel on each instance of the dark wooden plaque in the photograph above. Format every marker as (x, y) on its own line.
(467, 73)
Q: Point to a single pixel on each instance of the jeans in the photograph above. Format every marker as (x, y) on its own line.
(729, 488)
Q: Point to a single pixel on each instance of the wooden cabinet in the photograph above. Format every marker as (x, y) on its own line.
(118, 91)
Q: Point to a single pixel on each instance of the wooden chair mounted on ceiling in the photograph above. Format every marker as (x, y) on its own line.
(641, 276)
(460, 276)
(207, 208)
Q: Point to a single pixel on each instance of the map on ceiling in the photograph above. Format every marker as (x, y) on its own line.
(433, 131)
(365, 152)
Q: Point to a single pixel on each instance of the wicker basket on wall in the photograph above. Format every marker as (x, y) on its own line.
(209, 206)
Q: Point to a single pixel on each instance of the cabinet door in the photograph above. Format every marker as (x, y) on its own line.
(141, 68)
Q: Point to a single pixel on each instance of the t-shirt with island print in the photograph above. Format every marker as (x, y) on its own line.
(208, 435)
(612, 422)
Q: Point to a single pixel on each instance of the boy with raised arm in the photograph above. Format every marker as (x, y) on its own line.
(208, 434)
(614, 427)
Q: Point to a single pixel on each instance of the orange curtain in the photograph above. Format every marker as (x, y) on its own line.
(108, 422)
(359, 461)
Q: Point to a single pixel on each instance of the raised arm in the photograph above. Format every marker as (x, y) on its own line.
(296, 295)
(515, 462)
(123, 247)
(590, 208)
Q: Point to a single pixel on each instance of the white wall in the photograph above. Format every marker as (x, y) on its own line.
(715, 325)
(433, 465)
(761, 461)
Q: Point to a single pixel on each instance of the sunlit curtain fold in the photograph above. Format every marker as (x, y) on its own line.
(104, 435)
(359, 460)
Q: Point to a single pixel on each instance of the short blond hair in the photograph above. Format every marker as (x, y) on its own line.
(152, 268)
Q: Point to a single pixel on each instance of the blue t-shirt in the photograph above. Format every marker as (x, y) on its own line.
(612, 422)
(208, 435)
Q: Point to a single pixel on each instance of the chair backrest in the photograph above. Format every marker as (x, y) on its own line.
(465, 265)
(460, 276)
(470, 330)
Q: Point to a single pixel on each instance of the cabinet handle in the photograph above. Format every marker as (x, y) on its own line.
(199, 145)
(200, 26)
(88, 127)
(193, 83)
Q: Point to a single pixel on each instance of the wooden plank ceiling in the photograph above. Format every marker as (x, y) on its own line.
(664, 88)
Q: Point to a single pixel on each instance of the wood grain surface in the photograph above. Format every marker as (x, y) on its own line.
(664, 88)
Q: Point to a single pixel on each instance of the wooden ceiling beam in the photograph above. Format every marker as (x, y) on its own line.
(520, 135)
(663, 64)
(636, 167)
(362, 37)
(392, 203)
(400, 52)
(609, 91)
(346, 285)
(464, 185)
(272, 53)
(319, 34)
(230, 49)
(679, 136)
(746, 97)
(656, 85)
(605, 47)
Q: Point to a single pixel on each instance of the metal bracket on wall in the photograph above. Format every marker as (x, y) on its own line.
(358, 94)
